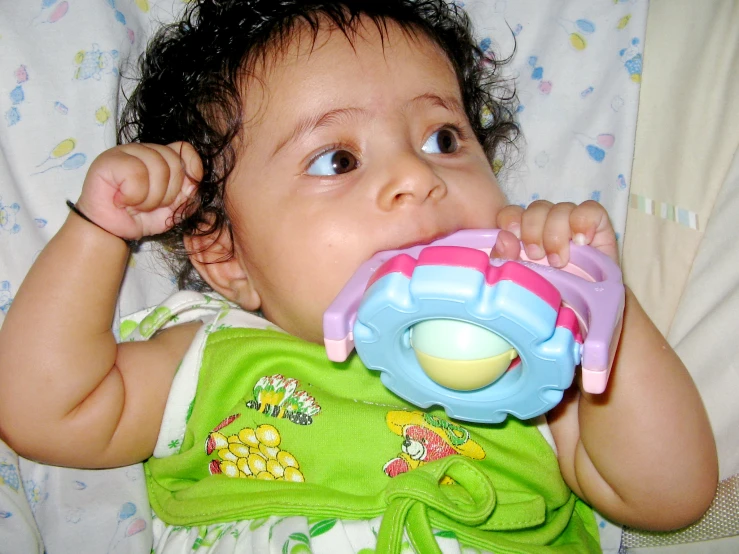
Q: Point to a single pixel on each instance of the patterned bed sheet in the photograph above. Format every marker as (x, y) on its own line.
(577, 67)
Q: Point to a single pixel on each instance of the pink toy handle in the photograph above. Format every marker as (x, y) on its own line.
(591, 284)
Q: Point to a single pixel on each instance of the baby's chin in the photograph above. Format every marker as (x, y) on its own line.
(308, 329)
(313, 335)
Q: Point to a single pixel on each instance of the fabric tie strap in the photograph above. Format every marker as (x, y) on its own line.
(410, 495)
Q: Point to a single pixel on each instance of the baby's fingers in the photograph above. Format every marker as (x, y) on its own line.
(590, 224)
(170, 188)
(533, 221)
(137, 185)
(557, 234)
(188, 173)
(185, 172)
(507, 245)
(546, 229)
(154, 178)
(509, 219)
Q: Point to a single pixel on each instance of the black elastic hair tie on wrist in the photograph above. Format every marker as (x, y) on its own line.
(75, 209)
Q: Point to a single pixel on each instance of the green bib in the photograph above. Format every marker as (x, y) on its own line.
(277, 429)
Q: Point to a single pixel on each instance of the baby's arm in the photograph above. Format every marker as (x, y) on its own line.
(69, 395)
(643, 452)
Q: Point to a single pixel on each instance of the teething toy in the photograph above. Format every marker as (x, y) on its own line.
(482, 338)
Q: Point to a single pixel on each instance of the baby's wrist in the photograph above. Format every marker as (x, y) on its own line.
(131, 243)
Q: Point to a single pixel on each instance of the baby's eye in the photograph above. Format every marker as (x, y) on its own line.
(443, 141)
(333, 162)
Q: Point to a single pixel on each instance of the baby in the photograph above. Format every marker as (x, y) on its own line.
(274, 147)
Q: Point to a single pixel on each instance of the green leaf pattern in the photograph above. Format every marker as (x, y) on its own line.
(322, 527)
(288, 535)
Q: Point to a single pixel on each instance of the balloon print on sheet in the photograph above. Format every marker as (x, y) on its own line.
(623, 22)
(120, 17)
(577, 31)
(61, 157)
(596, 146)
(128, 525)
(51, 11)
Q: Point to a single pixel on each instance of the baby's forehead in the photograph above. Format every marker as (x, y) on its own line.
(371, 68)
(300, 40)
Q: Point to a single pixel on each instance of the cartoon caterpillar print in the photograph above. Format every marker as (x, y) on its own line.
(275, 396)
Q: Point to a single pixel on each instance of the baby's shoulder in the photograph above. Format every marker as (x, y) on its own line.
(210, 309)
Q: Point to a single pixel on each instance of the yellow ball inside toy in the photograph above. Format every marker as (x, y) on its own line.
(460, 355)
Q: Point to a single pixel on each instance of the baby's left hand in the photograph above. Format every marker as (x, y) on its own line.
(546, 229)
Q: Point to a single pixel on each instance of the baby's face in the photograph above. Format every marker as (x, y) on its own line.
(350, 150)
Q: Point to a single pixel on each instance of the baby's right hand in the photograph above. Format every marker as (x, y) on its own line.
(134, 190)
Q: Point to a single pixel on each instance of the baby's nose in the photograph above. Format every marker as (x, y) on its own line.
(411, 180)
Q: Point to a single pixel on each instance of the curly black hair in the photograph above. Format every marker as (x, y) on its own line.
(191, 86)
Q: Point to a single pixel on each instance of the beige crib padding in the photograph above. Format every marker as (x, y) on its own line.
(687, 274)
(681, 256)
(687, 134)
(705, 329)
(705, 332)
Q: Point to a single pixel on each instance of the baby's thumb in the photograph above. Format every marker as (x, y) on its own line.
(507, 246)
(192, 166)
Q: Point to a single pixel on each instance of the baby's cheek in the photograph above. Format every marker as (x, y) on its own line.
(309, 305)
(326, 286)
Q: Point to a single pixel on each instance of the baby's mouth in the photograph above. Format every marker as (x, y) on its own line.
(423, 240)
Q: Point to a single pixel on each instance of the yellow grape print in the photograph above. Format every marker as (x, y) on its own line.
(253, 454)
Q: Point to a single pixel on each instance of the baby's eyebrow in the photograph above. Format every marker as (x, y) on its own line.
(312, 122)
(446, 101)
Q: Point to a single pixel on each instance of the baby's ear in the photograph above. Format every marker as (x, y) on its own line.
(217, 262)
